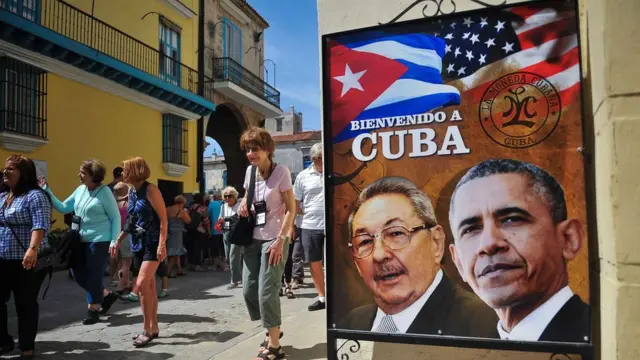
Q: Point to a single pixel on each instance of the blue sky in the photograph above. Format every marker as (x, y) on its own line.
(291, 41)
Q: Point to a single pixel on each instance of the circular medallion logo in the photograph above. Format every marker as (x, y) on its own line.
(520, 110)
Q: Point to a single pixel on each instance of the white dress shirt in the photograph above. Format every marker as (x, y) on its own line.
(531, 327)
(404, 318)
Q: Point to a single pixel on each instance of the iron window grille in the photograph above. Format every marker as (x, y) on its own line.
(175, 140)
(23, 98)
(28, 9)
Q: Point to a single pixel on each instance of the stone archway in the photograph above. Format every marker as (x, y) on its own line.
(225, 126)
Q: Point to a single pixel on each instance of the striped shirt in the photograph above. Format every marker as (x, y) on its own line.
(309, 190)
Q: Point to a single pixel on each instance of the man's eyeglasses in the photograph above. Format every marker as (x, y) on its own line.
(227, 196)
(394, 237)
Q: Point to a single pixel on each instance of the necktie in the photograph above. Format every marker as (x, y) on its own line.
(387, 325)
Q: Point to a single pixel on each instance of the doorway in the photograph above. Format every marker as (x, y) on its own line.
(170, 189)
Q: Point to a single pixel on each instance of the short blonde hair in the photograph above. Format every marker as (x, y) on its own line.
(135, 169)
(231, 191)
(180, 200)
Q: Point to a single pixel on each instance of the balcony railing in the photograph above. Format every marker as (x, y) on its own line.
(226, 69)
(84, 28)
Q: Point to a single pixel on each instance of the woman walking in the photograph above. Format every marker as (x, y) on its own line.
(98, 220)
(274, 207)
(25, 218)
(178, 217)
(148, 228)
(233, 253)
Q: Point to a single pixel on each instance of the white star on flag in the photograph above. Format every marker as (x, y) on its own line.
(483, 22)
(350, 80)
(450, 68)
(500, 25)
(490, 42)
(508, 47)
(474, 38)
(447, 48)
(468, 22)
(469, 55)
(482, 59)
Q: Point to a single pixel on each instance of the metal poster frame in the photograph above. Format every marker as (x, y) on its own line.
(352, 338)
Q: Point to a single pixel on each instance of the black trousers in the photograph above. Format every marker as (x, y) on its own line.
(195, 242)
(25, 286)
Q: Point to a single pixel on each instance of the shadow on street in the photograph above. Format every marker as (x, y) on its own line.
(65, 302)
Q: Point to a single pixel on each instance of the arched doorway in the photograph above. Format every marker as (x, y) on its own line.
(225, 126)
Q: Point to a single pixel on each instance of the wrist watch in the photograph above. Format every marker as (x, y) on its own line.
(33, 247)
(285, 238)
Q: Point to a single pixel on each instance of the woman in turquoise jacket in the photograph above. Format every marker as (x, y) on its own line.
(98, 218)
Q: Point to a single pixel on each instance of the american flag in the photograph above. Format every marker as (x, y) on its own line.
(536, 39)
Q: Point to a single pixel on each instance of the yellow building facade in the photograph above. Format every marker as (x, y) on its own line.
(109, 80)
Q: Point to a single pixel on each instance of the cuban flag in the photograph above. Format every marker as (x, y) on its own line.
(377, 75)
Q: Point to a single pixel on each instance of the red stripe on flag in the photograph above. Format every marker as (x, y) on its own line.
(541, 34)
(570, 94)
(555, 65)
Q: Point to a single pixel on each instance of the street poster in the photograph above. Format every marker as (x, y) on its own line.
(456, 179)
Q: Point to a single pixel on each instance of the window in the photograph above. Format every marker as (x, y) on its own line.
(23, 99)
(28, 9)
(175, 136)
(231, 40)
(169, 51)
(279, 124)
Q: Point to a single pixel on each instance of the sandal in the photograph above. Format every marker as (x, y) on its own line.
(154, 336)
(265, 343)
(143, 340)
(289, 293)
(271, 354)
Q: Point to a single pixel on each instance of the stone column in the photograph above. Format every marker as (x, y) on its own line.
(614, 78)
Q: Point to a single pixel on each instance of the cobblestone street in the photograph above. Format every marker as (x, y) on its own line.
(198, 320)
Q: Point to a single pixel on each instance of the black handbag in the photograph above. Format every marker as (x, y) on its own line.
(241, 228)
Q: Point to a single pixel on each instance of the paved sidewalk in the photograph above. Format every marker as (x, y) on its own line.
(200, 320)
(304, 339)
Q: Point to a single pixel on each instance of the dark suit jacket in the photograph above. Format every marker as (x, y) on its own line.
(450, 310)
(571, 324)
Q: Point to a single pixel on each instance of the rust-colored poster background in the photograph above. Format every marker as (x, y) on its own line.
(557, 151)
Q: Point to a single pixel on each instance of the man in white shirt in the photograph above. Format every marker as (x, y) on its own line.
(309, 193)
(397, 246)
(513, 239)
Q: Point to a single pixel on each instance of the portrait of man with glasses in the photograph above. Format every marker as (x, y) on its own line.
(397, 246)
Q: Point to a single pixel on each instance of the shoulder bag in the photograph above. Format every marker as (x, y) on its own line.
(241, 228)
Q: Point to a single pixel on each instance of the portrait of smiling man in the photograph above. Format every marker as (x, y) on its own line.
(397, 246)
(512, 241)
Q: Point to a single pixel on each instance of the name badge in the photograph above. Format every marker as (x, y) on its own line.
(75, 226)
(227, 224)
(11, 211)
(261, 213)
